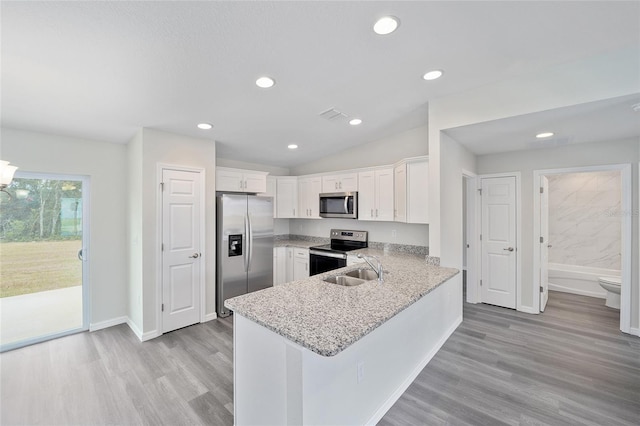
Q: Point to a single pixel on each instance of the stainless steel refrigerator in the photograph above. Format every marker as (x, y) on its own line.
(244, 246)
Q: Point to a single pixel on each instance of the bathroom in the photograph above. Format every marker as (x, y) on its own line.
(585, 234)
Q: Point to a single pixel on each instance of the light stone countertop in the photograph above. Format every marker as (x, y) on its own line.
(296, 243)
(327, 318)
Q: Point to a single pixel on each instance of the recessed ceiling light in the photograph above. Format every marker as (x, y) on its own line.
(432, 75)
(292, 146)
(205, 126)
(265, 82)
(544, 135)
(355, 121)
(386, 25)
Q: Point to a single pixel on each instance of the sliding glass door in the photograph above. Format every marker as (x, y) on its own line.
(43, 258)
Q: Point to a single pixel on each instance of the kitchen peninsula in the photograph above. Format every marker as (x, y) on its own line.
(313, 352)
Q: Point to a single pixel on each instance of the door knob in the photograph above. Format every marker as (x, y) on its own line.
(509, 249)
(194, 256)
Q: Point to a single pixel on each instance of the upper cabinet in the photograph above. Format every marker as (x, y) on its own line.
(239, 180)
(287, 197)
(347, 182)
(376, 194)
(309, 188)
(411, 183)
(271, 192)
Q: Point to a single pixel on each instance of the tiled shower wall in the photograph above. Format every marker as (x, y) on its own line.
(584, 219)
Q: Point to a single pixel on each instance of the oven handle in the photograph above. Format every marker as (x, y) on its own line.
(327, 254)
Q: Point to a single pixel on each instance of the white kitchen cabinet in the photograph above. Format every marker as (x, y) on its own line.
(309, 189)
(300, 263)
(400, 192)
(279, 265)
(286, 197)
(411, 182)
(375, 194)
(288, 264)
(271, 192)
(346, 182)
(239, 180)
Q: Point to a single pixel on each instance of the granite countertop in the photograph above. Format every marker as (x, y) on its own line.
(327, 318)
(297, 243)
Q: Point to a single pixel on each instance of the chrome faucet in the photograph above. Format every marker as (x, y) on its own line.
(377, 269)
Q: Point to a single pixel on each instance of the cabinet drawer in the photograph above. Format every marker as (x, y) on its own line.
(301, 253)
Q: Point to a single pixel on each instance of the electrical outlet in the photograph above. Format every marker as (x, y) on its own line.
(394, 234)
(360, 371)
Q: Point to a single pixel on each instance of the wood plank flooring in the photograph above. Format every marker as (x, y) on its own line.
(569, 365)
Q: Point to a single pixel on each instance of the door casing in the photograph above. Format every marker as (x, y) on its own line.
(625, 292)
(203, 256)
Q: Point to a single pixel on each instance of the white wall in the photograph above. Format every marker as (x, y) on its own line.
(410, 143)
(168, 148)
(134, 234)
(106, 165)
(577, 155)
(273, 170)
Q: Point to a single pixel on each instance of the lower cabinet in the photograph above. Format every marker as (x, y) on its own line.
(290, 264)
(300, 264)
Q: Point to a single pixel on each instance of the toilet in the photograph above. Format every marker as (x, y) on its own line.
(612, 285)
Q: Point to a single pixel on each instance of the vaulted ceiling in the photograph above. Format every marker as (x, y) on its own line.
(101, 70)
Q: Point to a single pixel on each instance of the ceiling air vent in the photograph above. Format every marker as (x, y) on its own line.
(333, 114)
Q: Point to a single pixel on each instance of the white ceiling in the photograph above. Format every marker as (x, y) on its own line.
(101, 70)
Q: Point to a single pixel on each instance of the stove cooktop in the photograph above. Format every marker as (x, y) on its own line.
(343, 240)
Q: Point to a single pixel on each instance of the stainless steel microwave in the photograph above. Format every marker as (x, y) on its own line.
(339, 204)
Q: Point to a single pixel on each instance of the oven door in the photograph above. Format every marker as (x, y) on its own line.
(322, 261)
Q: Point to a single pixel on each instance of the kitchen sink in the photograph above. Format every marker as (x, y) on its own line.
(345, 280)
(363, 274)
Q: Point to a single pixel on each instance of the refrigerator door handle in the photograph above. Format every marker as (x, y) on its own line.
(246, 244)
(250, 240)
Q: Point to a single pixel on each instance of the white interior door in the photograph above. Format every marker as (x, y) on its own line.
(498, 282)
(544, 242)
(181, 254)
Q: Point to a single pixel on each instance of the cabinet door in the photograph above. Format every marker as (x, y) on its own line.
(228, 180)
(418, 192)
(367, 195)
(384, 194)
(303, 197)
(300, 264)
(330, 183)
(289, 264)
(313, 197)
(348, 182)
(280, 268)
(271, 192)
(287, 197)
(400, 193)
(255, 182)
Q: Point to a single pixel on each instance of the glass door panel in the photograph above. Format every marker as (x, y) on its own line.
(41, 267)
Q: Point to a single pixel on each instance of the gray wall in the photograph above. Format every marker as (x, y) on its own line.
(411, 143)
(106, 166)
(577, 155)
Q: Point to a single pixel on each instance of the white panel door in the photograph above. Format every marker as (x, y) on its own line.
(498, 285)
(544, 242)
(181, 255)
(400, 193)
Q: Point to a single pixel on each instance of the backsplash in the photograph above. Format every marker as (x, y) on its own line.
(584, 219)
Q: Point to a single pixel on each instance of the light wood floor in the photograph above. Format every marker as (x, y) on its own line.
(569, 365)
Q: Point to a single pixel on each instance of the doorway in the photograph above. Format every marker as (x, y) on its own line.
(182, 235)
(600, 233)
(43, 258)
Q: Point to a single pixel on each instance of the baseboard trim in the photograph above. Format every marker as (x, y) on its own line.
(379, 414)
(135, 329)
(209, 317)
(108, 323)
(527, 310)
(634, 331)
(563, 289)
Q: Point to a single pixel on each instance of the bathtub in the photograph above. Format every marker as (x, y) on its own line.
(581, 280)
